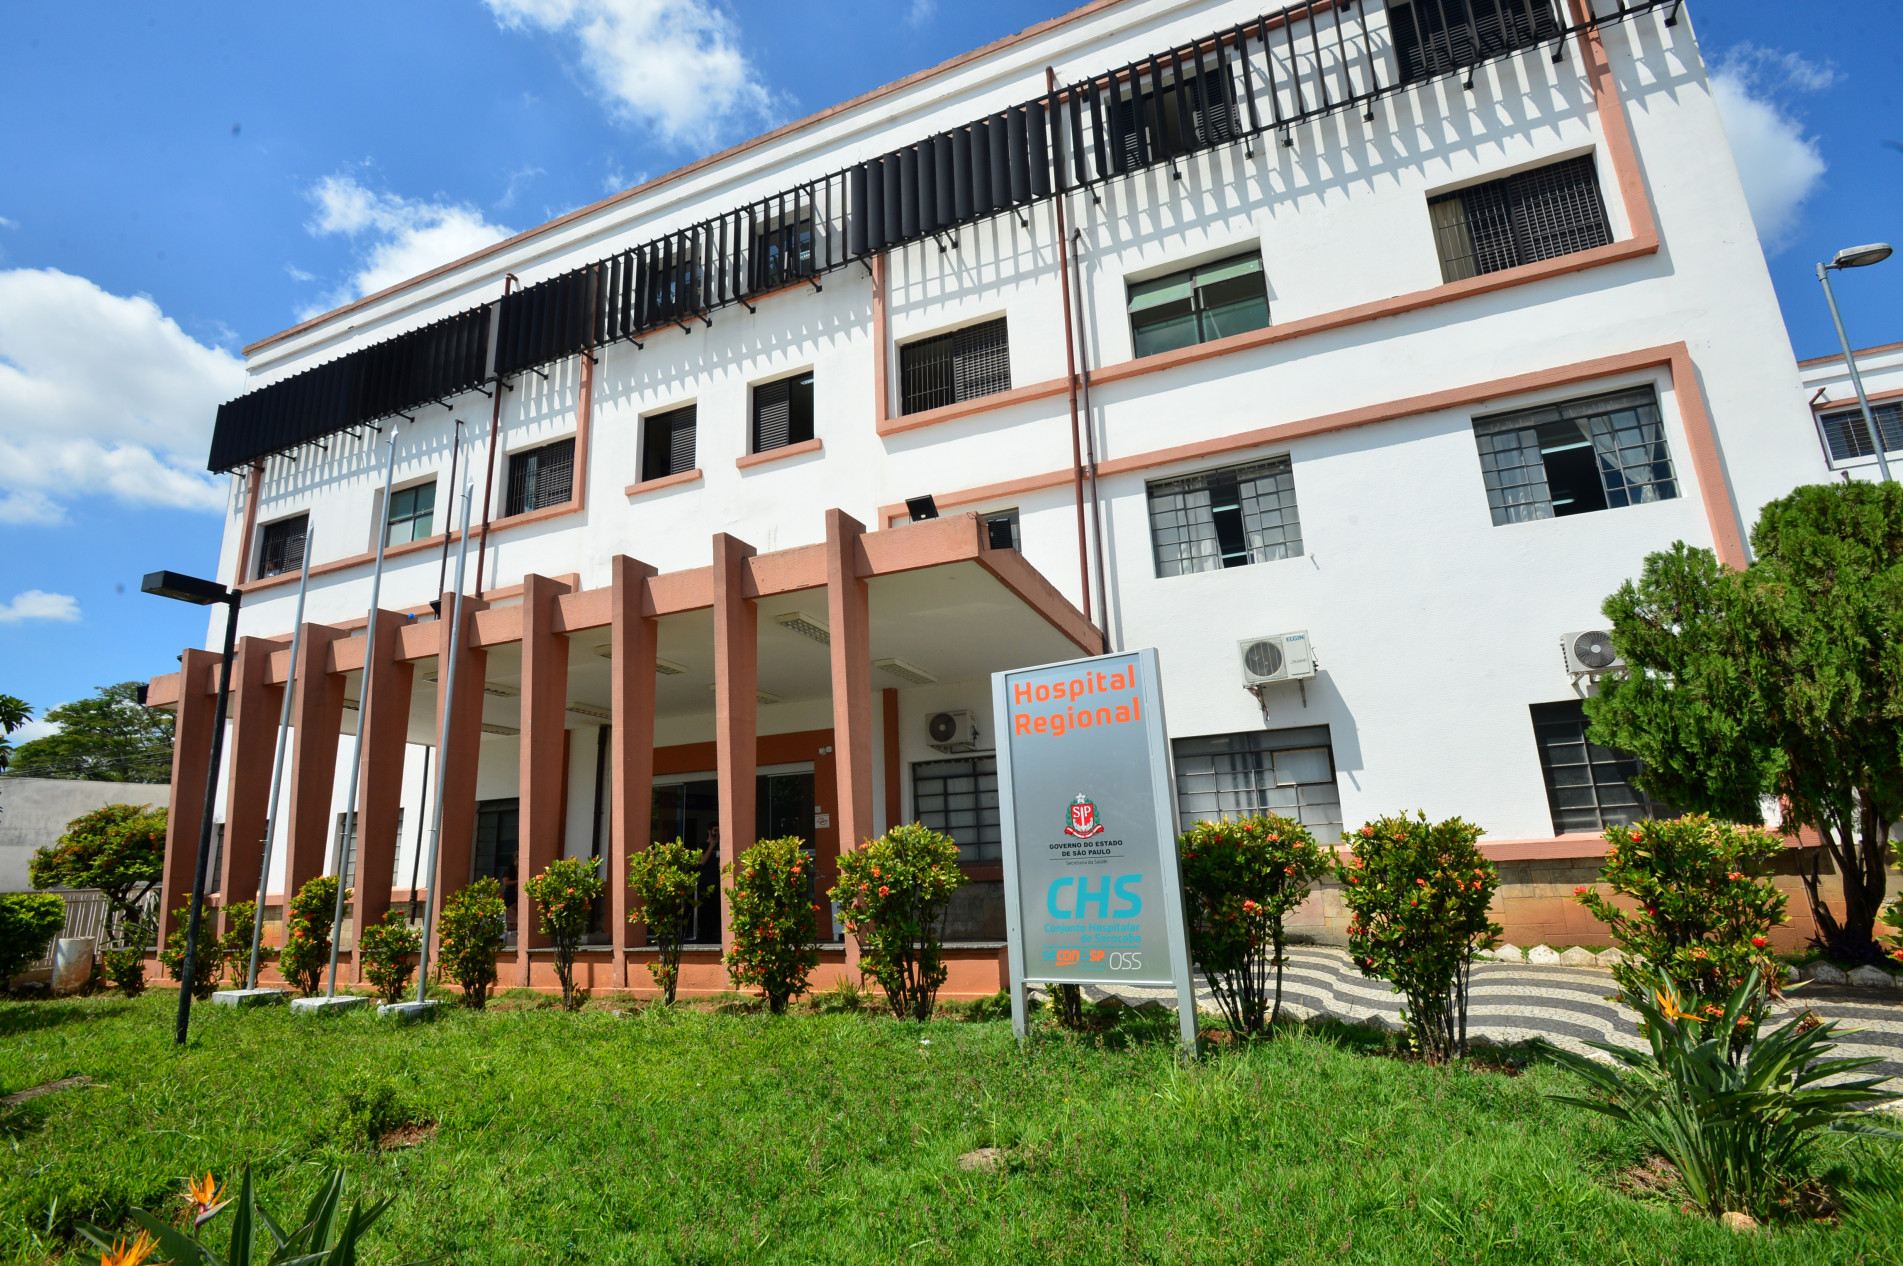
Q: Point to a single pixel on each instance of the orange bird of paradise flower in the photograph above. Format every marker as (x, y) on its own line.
(204, 1193)
(137, 1253)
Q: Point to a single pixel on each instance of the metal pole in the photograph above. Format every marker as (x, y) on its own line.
(416, 862)
(204, 822)
(277, 764)
(1856, 379)
(447, 679)
(363, 712)
(1090, 450)
(495, 433)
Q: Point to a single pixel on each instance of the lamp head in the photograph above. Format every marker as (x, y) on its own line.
(921, 508)
(171, 584)
(1861, 256)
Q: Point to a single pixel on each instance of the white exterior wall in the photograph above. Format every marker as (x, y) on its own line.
(1434, 629)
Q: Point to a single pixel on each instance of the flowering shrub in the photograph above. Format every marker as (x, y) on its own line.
(1240, 881)
(306, 950)
(474, 927)
(892, 895)
(1893, 917)
(663, 876)
(118, 849)
(1704, 905)
(1418, 895)
(207, 962)
(773, 942)
(385, 950)
(565, 893)
(28, 923)
(234, 947)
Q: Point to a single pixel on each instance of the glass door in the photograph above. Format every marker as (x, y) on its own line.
(690, 812)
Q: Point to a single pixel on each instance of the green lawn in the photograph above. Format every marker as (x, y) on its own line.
(699, 1137)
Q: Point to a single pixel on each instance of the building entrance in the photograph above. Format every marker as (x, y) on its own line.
(689, 811)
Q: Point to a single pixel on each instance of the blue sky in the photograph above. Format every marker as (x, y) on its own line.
(182, 179)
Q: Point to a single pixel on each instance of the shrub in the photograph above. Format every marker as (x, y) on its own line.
(386, 951)
(1417, 896)
(892, 895)
(774, 947)
(1704, 910)
(234, 947)
(307, 928)
(207, 963)
(474, 927)
(124, 967)
(1241, 880)
(1067, 1007)
(565, 893)
(1893, 917)
(843, 996)
(370, 1107)
(28, 923)
(118, 850)
(1736, 1112)
(663, 877)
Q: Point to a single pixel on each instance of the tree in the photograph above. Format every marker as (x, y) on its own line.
(565, 894)
(14, 713)
(119, 850)
(893, 893)
(1783, 680)
(111, 737)
(28, 923)
(664, 877)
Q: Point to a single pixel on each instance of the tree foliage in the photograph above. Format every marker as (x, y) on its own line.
(119, 850)
(565, 894)
(1782, 680)
(662, 877)
(28, 923)
(474, 926)
(774, 947)
(893, 893)
(388, 950)
(14, 713)
(307, 929)
(207, 961)
(111, 737)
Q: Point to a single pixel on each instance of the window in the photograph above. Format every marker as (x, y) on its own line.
(667, 442)
(960, 798)
(1538, 214)
(1225, 518)
(1571, 458)
(1199, 304)
(542, 477)
(412, 511)
(1001, 530)
(283, 546)
(782, 413)
(1588, 787)
(962, 365)
(1198, 108)
(782, 245)
(1432, 36)
(1288, 772)
(1847, 435)
(347, 842)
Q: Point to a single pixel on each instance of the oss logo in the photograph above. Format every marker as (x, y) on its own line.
(1083, 819)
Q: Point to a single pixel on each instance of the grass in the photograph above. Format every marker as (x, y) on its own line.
(703, 1136)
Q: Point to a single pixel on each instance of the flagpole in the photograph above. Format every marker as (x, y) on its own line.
(277, 765)
(446, 682)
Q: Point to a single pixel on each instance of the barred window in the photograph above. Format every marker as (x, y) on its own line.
(667, 442)
(962, 365)
(1435, 36)
(283, 545)
(1196, 305)
(960, 798)
(1847, 435)
(1225, 518)
(1588, 787)
(783, 413)
(782, 249)
(346, 842)
(1539, 214)
(412, 512)
(1197, 109)
(542, 477)
(1570, 458)
(1287, 772)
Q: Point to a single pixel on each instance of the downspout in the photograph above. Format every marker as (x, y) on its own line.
(1090, 456)
(1070, 379)
(254, 481)
(455, 451)
(495, 429)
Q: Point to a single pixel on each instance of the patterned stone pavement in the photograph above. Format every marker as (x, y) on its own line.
(1568, 1006)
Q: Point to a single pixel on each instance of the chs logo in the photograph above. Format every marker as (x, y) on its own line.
(1083, 819)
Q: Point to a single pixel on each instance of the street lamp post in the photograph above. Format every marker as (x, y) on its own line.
(170, 584)
(1857, 257)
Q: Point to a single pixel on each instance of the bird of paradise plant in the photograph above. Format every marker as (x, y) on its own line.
(136, 1252)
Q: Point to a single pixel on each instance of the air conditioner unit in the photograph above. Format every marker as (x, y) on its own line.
(1280, 657)
(952, 731)
(1589, 652)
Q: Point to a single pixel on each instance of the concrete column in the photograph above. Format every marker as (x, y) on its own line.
(736, 705)
(544, 797)
(633, 637)
(255, 710)
(848, 613)
(191, 758)
(894, 793)
(318, 716)
(462, 752)
(384, 709)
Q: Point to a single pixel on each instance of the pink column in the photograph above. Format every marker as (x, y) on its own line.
(385, 712)
(544, 714)
(736, 705)
(848, 612)
(632, 640)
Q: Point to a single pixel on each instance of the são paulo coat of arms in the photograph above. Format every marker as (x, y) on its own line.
(1083, 818)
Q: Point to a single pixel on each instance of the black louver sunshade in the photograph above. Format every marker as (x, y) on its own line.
(1263, 76)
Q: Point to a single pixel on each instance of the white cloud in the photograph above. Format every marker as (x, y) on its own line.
(37, 604)
(8, 224)
(34, 729)
(673, 65)
(401, 237)
(921, 12)
(1780, 167)
(101, 393)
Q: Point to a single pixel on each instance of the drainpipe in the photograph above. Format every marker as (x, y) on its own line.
(1090, 448)
(489, 479)
(442, 570)
(1070, 377)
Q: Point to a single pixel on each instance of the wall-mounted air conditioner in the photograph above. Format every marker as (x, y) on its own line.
(952, 731)
(1279, 657)
(1589, 653)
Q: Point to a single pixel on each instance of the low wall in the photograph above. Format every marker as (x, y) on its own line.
(34, 813)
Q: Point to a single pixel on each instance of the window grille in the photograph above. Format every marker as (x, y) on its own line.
(283, 547)
(1195, 108)
(1539, 214)
(1432, 37)
(959, 798)
(542, 477)
(782, 413)
(412, 512)
(1847, 435)
(347, 842)
(1196, 305)
(1225, 518)
(782, 248)
(667, 442)
(1588, 787)
(962, 365)
(1571, 458)
(1287, 772)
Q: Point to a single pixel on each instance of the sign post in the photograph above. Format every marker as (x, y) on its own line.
(1093, 891)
